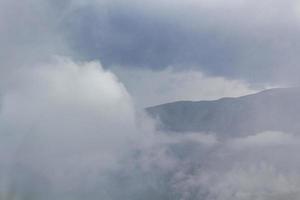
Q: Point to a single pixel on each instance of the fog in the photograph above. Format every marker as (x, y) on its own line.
(64, 121)
(70, 130)
(168, 85)
(72, 123)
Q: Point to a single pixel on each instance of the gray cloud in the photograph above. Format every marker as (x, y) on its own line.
(168, 85)
(69, 129)
(246, 39)
(60, 124)
(261, 167)
(255, 41)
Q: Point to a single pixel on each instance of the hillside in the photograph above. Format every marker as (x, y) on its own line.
(274, 109)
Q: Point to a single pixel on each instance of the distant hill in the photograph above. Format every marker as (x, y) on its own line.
(274, 109)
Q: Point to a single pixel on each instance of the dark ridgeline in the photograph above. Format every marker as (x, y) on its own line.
(269, 110)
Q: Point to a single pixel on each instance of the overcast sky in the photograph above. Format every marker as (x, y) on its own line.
(73, 74)
(252, 43)
(252, 40)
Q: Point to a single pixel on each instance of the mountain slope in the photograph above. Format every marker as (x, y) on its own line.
(275, 109)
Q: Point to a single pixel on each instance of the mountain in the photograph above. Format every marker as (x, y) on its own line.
(269, 110)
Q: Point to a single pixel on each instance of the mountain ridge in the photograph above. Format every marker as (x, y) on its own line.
(275, 109)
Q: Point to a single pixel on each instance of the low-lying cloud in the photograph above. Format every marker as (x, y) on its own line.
(64, 121)
(266, 169)
(251, 40)
(169, 85)
(71, 129)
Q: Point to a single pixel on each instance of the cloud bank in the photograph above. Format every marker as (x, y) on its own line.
(64, 121)
(251, 40)
(69, 128)
(164, 86)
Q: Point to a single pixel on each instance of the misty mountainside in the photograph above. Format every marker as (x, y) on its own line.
(269, 110)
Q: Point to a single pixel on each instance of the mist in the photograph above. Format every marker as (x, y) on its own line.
(76, 77)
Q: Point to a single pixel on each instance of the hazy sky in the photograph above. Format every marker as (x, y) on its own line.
(252, 43)
(252, 40)
(74, 75)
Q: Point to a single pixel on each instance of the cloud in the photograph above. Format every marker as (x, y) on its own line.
(30, 33)
(64, 121)
(255, 182)
(70, 130)
(265, 168)
(249, 40)
(78, 135)
(150, 87)
(264, 139)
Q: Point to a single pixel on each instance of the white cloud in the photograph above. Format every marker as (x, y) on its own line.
(69, 128)
(64, 119)
(74, 126)
(255, 182)
(156, 87)
(269, 138)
